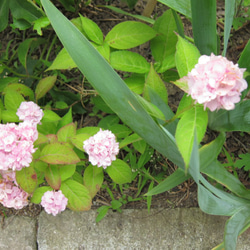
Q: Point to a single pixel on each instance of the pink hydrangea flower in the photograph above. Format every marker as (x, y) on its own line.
(16, 145)
(54, 202)
(216, 82)
(102, 148)
(30, 112)
(12, 196)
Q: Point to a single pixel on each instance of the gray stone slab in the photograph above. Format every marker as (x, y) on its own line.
(18, 233)
(133, 229)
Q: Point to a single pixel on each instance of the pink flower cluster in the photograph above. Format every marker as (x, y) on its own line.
(216, 82)
(16, 149)
(102, 148)
(11, 195)
(54, 202)
(16, 145)
(30, 112)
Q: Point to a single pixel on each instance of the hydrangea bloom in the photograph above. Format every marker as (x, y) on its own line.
(12, 196)
(54, 202)
(30, 112)
(102, 148)
(16, 145)
(216, 82)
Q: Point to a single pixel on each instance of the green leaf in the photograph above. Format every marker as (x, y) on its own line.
(130, 139)
(229, 16)
(204, 25)
(111, 87)
(140, 146)
(66, 119)
(135, 83)
(62, 61)
(50, 116)
(175, 179)
(244, 161)
(218, 173)
(237, 119)
(4, 14)
(153, 81)
(102, 211)
(120, 131)
(67, 171)
(27, 179)
(103, 49)
(108, 121)
(23, 50)
(9, 116)
(152, 109)
(53, 177)
(120, 172)
(92, 30)
(163, 46)
(12, 99)
(57, 153)
(192, 120)
(93, 179)
(186, 56)
(78, 140)
(21, 89)
(44, 86)
(129, 34)
(5, 81)
(25, 11)
(182, 6)
(129, 61)
(234, 225)
(78, 195)
(65, 133)
(40, 23)
(244, 61)
(38, 194)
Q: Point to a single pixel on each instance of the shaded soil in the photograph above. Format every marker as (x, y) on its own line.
(184, 195)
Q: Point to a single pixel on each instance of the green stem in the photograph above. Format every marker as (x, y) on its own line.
(18, 74)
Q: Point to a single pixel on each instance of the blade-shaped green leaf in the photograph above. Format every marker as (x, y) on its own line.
(182, 6)
(178, 177)
(4, 14)
(229, 16)
(237, 119)
(204, 25)
(110, 86)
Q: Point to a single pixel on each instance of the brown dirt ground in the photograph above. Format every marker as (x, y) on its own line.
(185, 194)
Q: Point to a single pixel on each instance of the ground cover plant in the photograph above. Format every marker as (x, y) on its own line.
(48, 159)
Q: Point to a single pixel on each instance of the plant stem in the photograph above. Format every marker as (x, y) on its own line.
(149, 8)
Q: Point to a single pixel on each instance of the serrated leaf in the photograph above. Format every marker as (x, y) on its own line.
(12, 99)
(135, 83)
(92, 30)
(78, 195)
(120, 172)
(22, 89)
(192, 120)
(57, 153)
(66, 132)
(129, 34)
(186, 56)
(67, 171)
(27, 179)
(44, 86)
(78, 140)
(129, 61)
(93, 179)
(244, 161)
(164, 45)
(52, 176)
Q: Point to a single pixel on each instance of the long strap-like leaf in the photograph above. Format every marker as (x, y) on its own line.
(110, 86)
